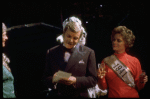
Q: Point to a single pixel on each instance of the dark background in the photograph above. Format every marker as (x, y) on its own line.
(27, 46)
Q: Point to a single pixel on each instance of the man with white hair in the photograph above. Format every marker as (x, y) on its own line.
(82, 40)
(72, 57)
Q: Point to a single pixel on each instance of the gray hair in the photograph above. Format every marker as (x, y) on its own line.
(82, 39)
(70, 20)
(75, 25)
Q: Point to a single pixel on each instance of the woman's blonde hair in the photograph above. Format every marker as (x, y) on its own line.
(127, 35)
(4, 28)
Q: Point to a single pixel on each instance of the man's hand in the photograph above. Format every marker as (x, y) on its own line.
(68, 81)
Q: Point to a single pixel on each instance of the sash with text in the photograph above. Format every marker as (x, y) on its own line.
(120, 69)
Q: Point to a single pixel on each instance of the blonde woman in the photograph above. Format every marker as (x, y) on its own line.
(121, 73)
(8, 79)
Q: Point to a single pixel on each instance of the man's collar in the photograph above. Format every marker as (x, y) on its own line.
(71, 48)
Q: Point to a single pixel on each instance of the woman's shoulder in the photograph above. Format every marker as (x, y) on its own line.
(108, 57)
(133, 58)
(7, 74)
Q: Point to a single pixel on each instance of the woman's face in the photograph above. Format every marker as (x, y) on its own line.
(118, 43)
(71, 38)
(4, 38)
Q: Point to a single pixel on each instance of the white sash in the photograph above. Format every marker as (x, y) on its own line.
(120, 69)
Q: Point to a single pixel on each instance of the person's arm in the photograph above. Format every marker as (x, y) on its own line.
(102, 84)
(47, 75)
(101, 74)
(138, 83)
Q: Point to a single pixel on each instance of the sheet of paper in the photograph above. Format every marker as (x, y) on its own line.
(61, 74)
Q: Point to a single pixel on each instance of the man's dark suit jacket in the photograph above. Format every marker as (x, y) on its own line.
(82, 65)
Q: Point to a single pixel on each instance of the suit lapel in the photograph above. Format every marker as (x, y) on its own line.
(60, 59)
(75, 57)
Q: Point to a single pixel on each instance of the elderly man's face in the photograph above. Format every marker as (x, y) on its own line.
(71, 38)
